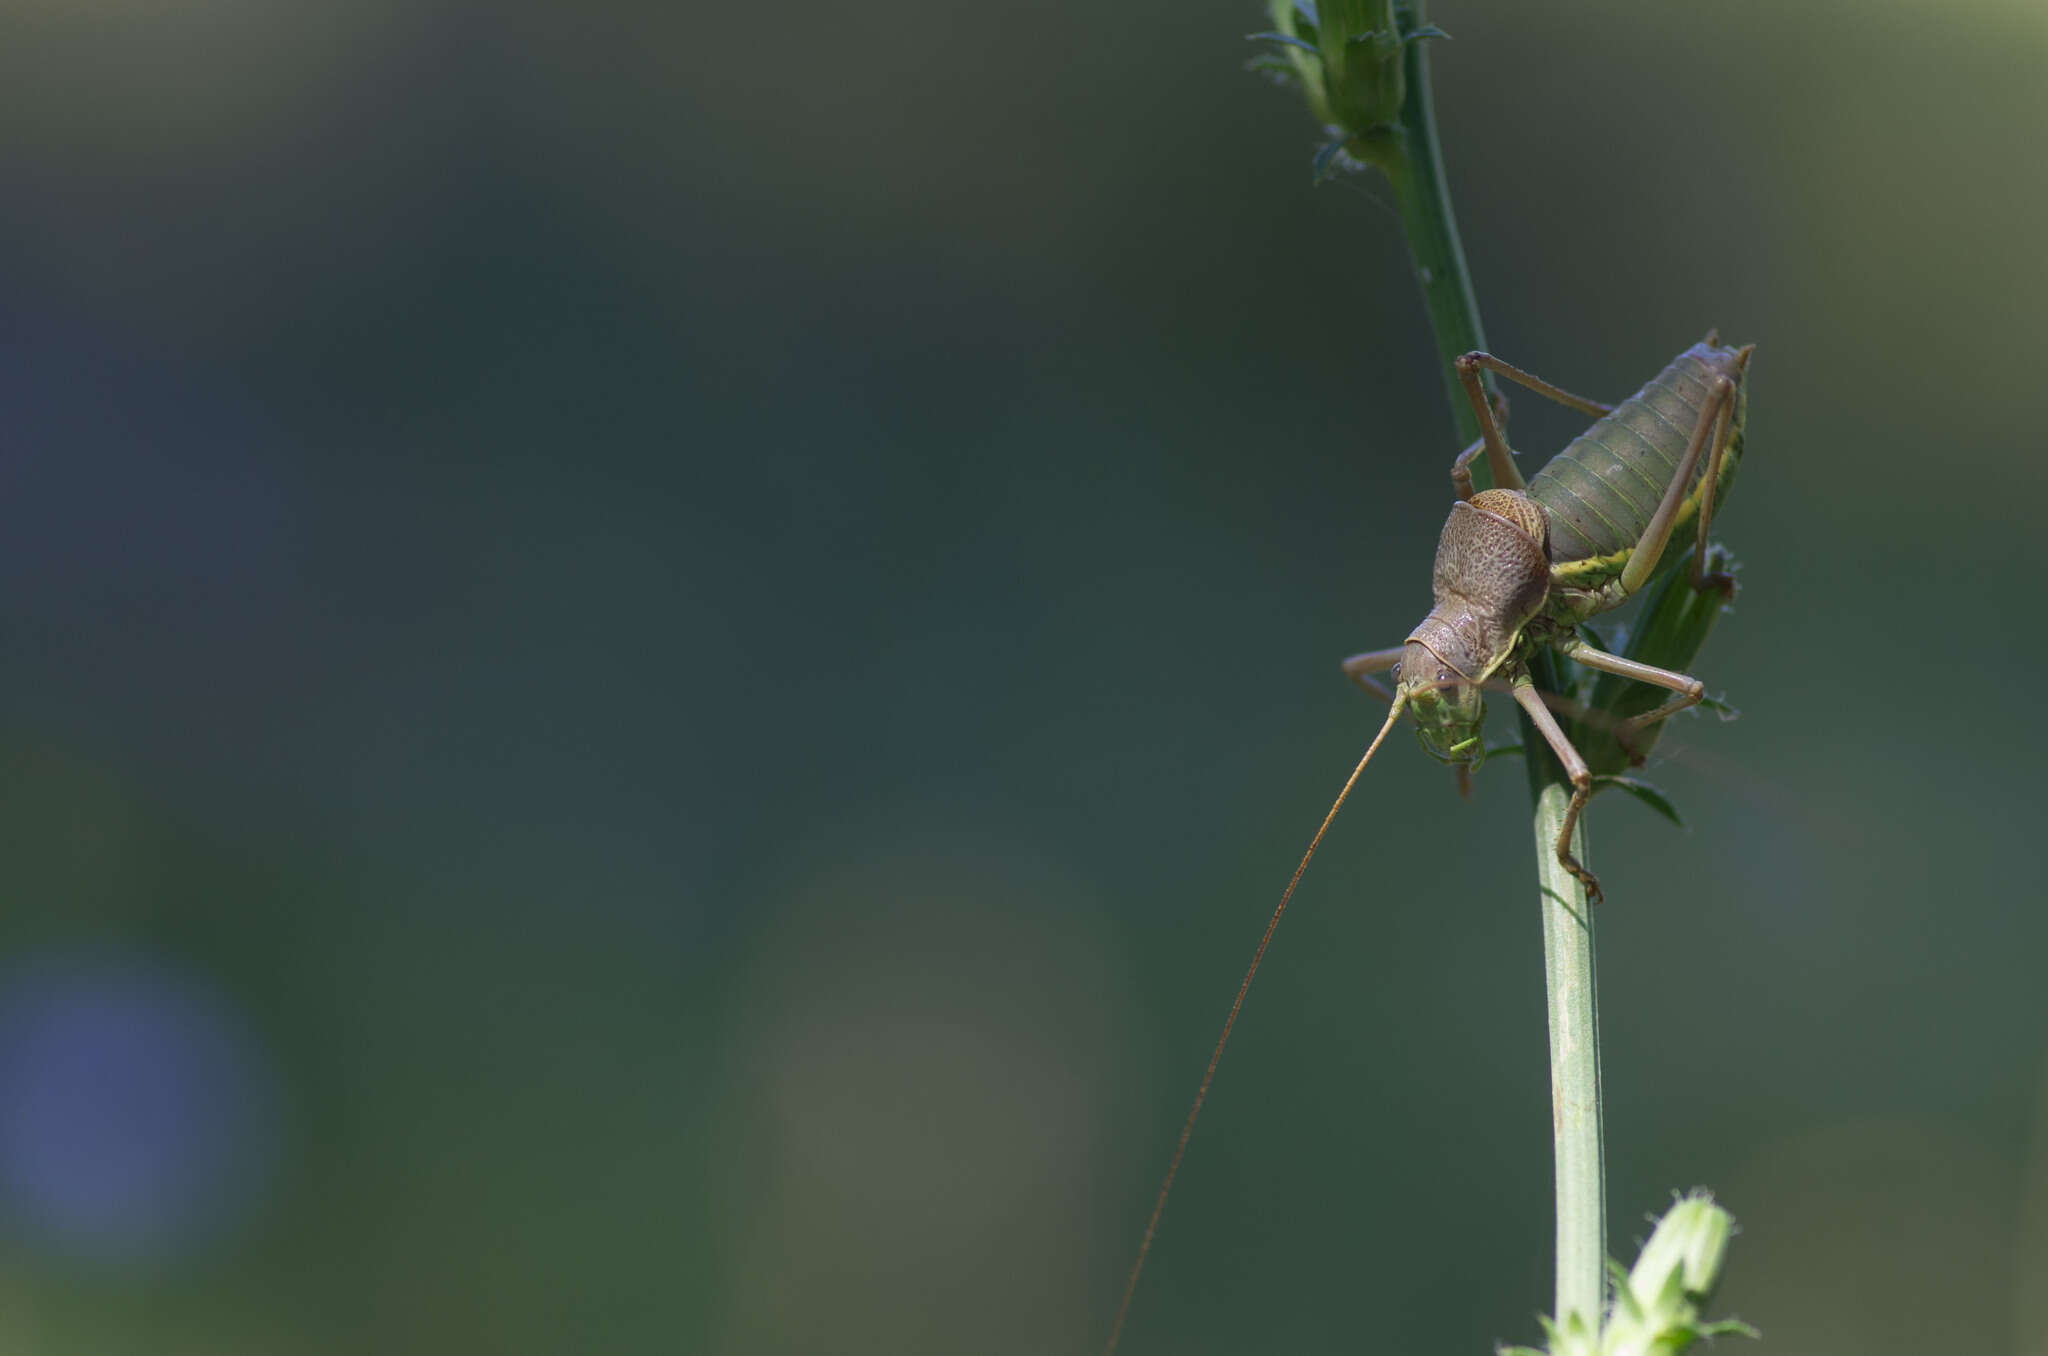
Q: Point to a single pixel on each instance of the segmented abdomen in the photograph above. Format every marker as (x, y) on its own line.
(1602, 489)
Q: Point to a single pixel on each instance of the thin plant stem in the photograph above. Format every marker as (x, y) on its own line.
(1572, 998)
(1416, 173)
(1412, 159)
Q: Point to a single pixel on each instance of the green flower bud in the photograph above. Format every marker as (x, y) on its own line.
(1655, 1311)
(1684, 1251)
(1346, 55)
(1361, 64)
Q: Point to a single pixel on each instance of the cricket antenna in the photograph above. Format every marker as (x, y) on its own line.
(1123, 1308)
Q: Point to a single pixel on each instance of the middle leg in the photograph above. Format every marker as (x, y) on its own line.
(1690, 690)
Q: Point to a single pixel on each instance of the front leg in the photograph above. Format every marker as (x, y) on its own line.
(1531, 701)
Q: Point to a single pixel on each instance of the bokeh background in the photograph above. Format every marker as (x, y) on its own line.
(659, 665)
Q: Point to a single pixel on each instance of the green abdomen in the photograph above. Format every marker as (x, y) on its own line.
(1601, 491)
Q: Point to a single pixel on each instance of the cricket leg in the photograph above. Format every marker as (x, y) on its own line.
(1710, 430)
(1498, 459)
(1461, 468)
(1558, 703)
(1689, 689)
(1505, 476)
(1535, 383)
(1531, 701)
(1700, 578)
(1373, 661)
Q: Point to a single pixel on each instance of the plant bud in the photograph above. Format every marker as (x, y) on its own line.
(1346, 55)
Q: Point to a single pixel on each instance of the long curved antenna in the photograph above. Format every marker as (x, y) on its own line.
(1123, 1309)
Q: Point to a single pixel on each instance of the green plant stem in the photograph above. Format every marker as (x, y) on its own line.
(1413, 162)
(1416, 172)
(1572, 997)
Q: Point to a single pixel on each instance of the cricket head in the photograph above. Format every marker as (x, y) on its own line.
(1492, 576)
(1447, 707)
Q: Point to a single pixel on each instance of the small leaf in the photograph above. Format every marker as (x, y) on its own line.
(1307, 10)
(1279, 67)
(1326, 161)
(1648, 795)
(1727, 1327)
(1626, 1308)
(1287, 38)
(1381, 49)
(1426, 31)
(1720, 707)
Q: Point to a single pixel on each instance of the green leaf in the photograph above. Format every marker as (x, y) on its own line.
(1719, 706)
(1287, 38)
(1307, 10)
(1609, 641)
(1648, 795)
(1426, 31)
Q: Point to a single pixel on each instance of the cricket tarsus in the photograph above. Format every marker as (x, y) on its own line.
(1187, 1128)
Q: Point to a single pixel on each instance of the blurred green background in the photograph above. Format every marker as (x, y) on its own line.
(660, 663)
